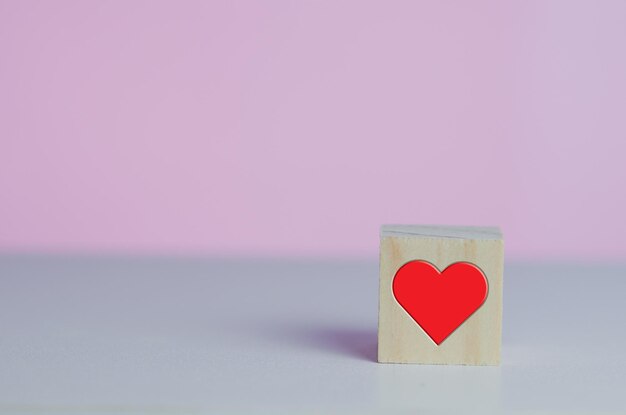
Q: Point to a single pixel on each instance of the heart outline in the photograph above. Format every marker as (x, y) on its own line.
(473, 271)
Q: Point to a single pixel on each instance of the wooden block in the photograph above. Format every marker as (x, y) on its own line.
(419, 308)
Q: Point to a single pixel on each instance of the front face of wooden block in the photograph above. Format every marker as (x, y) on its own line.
(477, 340)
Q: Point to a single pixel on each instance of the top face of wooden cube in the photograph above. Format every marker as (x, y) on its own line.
(477, 340)
(437, 231)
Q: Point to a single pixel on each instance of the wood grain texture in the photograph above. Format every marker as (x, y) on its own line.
(477, 341)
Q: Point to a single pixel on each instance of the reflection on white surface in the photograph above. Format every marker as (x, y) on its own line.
(433, 387)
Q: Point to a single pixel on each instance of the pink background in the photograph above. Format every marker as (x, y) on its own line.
(298, 127)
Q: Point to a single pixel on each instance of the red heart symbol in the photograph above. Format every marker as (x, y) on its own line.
(439, 302)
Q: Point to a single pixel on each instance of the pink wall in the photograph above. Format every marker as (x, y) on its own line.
(297, 127)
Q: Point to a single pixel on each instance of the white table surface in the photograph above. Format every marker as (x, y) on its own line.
(177, 336)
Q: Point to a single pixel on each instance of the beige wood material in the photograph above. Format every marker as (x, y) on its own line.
(477, 341)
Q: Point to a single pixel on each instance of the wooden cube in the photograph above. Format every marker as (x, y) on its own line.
(440, 295)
